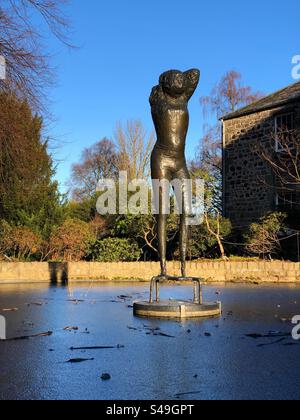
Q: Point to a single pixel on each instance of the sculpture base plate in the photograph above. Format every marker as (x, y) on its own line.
(177, 309)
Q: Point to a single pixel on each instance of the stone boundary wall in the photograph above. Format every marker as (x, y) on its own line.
(240, 272)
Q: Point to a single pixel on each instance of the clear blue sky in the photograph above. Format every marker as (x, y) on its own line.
(126, 44)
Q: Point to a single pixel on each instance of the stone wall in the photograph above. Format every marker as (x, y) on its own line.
(245, 272)
(247, 178)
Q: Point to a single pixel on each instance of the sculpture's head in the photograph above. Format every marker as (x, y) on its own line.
(173, 82)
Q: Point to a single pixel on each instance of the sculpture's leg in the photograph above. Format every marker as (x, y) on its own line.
(151, 290)
(186, 211)
(183, 241)
(162, 242)
(161, 173)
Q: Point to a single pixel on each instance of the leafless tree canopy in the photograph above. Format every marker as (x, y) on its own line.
(28, 68)
(265, 243)
(227, 96)
(263, 237)
(134, 149)
(130, 152)
(282, 154)
(97, 162)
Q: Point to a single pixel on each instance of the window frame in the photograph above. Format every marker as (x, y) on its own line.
(278, 147)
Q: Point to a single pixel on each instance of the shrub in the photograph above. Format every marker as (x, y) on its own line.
(115, 250)
(262, 238)
(71, 241)
(18, 242)
(6, 243)
(26, 242)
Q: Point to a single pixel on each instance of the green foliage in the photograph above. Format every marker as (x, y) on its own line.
(43, 220)
(28, 195)
(202, 243)
(212, 187)
(115, 249)
(127, 225)
(262, 238)
(5, 238)
(84, 209)
(142, 229)
(225, 226)
(131, 226)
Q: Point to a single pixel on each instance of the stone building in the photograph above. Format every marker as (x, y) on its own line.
(249, 184)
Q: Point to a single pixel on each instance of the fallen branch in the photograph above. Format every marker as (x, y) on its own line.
(10, 310)
(119, 346)
(161, 334)
(270, 335)
(75, 300)
(79, 360)
(28, 337)
(273, 342)
(183, 394)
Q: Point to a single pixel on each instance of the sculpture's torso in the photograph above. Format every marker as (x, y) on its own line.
(171, 124)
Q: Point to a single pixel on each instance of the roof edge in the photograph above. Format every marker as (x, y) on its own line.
(255, 111)
(246, 111)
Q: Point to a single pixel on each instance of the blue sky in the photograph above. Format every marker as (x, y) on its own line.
(126, 44)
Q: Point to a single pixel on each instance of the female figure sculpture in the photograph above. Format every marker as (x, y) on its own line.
(169, 104)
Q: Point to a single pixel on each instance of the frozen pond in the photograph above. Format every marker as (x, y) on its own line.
(206, 359)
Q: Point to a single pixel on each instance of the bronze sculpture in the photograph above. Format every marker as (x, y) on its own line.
(169, 104)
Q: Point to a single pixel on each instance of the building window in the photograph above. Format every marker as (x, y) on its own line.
(284, 126)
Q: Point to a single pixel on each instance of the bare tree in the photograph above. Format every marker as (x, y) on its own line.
(148, 232)
(281, 151)
(105, 159)
(134, 149)
(227, 96)
(97, 162)
(263, 237)
(216, 233)
(28, 71)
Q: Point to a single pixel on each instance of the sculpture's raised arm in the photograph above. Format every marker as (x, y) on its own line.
(155, 95)
(192, 80)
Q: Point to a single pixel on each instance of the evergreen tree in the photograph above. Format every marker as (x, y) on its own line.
(28, 194)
